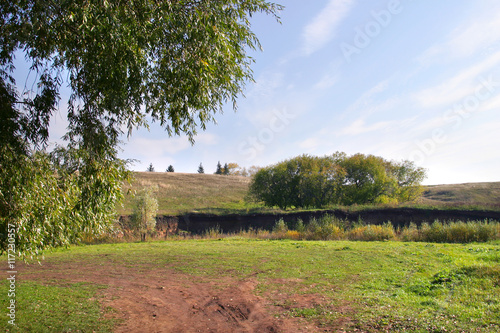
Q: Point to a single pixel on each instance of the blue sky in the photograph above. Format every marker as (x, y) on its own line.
(417, 80)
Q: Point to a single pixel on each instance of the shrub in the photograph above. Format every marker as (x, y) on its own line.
(213, 232)
(145, 209)
(280, 228)
(313, 230)
(372, 232)
(325, 228)
(410, 233)
(293, 234)
(299, 226)
(452, 232)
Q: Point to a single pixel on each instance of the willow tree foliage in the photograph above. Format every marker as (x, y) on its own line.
(126, 63)
(315, 182)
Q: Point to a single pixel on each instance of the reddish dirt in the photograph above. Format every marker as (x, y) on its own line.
(164, 300)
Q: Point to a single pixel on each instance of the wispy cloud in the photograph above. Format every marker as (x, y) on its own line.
(366, 103)
(327, 81)
(157, 147)
(359, 126)
(323, 27)
(310, 144)
(470, 38)
(329, 77)
(458, 86)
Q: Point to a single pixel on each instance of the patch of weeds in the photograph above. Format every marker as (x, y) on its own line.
(487, 254)
(447, 277)
(421, 288)
(306, 312)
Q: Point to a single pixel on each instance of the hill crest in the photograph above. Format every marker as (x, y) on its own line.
(180, 193)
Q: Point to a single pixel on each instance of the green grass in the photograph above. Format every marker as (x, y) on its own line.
(55, 306)
(377, 286)
(181, 193)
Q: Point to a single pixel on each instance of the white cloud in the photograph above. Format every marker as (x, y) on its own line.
(367, 97)
(472, 37)
(146, 147)
(310, 144)
(458, 86)
(322, 29)
(330, 76)
(327, 81)
(207, 139)
(266, 84)
(359, 126)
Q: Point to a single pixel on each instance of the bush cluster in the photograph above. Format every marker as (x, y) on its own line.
(315, 182)
(332, 228)
(452, 232)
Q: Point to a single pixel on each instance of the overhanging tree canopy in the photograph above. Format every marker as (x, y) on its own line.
(175, 62)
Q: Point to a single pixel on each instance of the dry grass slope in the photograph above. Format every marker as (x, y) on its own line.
(180, 193)
(185, 192)
(481, 194)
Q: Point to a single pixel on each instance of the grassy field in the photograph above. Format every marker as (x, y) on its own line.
(323, 286)
(463, 194)
(298, 285)
(179, 193)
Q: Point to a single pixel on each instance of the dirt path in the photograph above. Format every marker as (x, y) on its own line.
(164, 300)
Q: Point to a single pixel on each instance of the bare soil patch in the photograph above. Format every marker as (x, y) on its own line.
(164, 300)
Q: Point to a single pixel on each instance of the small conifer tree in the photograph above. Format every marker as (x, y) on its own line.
(201, 169)
(150, 168)
(170, 168)
(219, 169)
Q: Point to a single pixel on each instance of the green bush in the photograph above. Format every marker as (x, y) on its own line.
(325, 228)
(280, 228)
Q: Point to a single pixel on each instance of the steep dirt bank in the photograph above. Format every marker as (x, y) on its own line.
(198, 223)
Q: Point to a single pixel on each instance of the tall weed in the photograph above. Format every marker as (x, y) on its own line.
(325, 228)
(452, 232)
(372, 232)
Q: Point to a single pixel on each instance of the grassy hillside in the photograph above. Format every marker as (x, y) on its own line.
(184, 192)
(463, 194)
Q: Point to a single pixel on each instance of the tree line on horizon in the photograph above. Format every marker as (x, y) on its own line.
(316, 182)
(229, 169)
